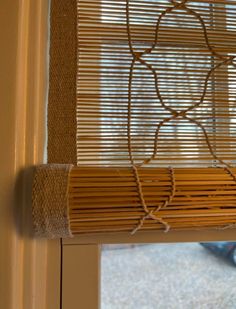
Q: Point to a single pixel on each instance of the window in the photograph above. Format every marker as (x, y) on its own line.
(155, 115)
(179, 69)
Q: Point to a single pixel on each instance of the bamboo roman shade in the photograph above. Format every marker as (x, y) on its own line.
(156, 78)
(143, 93)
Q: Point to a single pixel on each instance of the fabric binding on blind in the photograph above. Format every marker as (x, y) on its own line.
(62, 83)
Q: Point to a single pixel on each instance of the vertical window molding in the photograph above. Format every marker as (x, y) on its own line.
(27, 265)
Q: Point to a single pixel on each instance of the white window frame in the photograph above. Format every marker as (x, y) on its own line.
(29, 268)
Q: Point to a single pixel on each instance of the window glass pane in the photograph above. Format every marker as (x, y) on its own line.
(173, 276)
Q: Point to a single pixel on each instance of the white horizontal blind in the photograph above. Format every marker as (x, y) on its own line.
(140, 63)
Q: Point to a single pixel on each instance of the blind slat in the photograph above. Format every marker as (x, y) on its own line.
(155, 111)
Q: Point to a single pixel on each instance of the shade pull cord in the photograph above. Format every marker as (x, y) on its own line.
(152, 213)
(137, 56)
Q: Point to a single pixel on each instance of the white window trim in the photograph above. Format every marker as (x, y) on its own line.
(202, 235)
(29, 268)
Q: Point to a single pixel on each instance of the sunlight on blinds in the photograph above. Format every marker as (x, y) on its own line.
(161, 72)
(156, 94)
(156, 119)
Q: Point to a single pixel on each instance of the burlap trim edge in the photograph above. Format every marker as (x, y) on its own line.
(50, 209)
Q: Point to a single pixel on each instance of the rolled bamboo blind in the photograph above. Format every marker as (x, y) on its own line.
(156, 116)
(106, 199)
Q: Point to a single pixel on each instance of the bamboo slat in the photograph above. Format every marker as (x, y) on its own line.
(183, 66)
(107, 199)
(156, 116)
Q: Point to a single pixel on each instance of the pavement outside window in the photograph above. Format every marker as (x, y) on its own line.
(166, 276)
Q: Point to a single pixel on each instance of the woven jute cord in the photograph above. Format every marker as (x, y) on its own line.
(137, 57)
(50, 201)
(62, 83)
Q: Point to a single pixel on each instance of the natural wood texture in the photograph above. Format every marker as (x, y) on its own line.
(142, 63)
(108, 199)
(155, 88)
